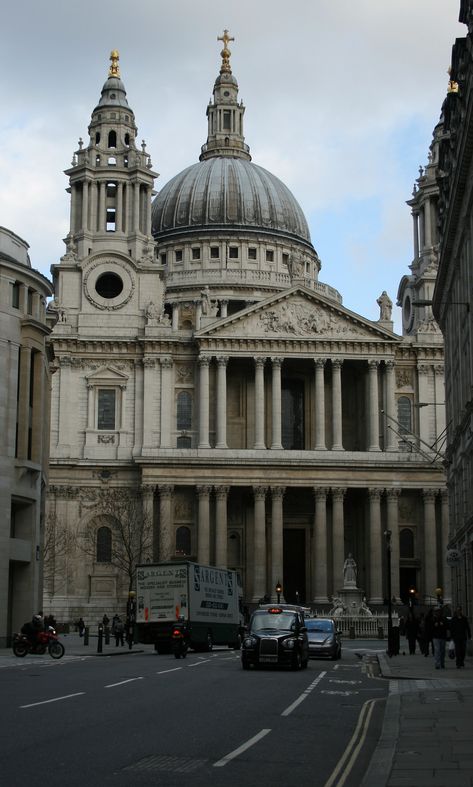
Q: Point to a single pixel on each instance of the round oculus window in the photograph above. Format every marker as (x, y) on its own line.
(109, 285)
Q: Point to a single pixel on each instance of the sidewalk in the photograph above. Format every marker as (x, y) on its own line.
(74, 646)
(427, 735)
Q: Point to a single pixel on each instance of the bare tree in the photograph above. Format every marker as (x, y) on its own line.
(58, 545)
(130, 539)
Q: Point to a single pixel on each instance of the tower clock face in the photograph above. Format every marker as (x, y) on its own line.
(407, 311)
(108, 283)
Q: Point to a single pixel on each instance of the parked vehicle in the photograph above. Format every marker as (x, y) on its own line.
(205, 597)
(324, 638)
(46, 641)
(277, 636)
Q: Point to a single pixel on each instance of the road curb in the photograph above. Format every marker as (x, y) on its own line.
(381, 762)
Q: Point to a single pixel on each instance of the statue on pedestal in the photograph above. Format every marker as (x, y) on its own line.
(349, 572)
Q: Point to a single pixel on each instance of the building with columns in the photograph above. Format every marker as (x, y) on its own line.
(202, 365)
(24, 433)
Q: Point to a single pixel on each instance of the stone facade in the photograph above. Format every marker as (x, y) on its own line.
(24, 437)
(203, 366)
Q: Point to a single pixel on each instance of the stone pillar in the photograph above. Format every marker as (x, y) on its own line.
(415, 224)
(101, 224)
(393, 525)
(175, 316)
(277, 567)
(221, 496)
(427, 223)
(337, 444)
(276, 403)
(338, 537)
(149, 392)
(147, 503)
(65, 394)
(319, 548)
(136, 207)
(259, 403)
(166, 402)
(425, 430)
(203, 534)
(223, 308)
(221, 402)
(204, 363)
(431, 580)
(119, 208)
(93, 206)
(373, 406)
(24, 402)
(166, 497)
(85, 205)
(37, 407)
(319, 405)
(447, 571)
(390, 436)
(148, 211)
(90, 405)
(376, 574)
(198, 314)
(259, 578)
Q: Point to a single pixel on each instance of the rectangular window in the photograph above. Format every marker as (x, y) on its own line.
(269, 256)
(285, 259)
(227, 119)
(106, 408)
(252, 253)
(15, 296)
(195, 254)
(233, 252)
(29, 307)
(214, 252)
(163, 258)
(179, 255)
(111, 218)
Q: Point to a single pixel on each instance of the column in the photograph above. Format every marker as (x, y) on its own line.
(119, 208)
(428, 223)
(392, 501)
(150, 544)
(223, 308)
(149, 392)
(175, 316)
(24, 402)
(136, 207)
(65, 396)
(415, 223)
(198, 314)
(221, 497)
(276, 403)
(277, 567)
(431, 580)
(319, 548)
(337, 444)
(447, 571)
(373, 406)
(90, 406)
(204, 362)
(376, 594)
(203, 532)
(259, 403)
(259, 577)
(425, 430)
(37, 405)
(166, 401)
(93, 206)
(85, 205)
(148, 211)
(390, 437)
(102, 214)
(319, 405)
(221, 402)
(166, 496)
(338, 537)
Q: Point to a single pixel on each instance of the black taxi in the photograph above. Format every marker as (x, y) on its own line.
(276, 636)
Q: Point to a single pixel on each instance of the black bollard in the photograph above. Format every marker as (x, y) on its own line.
(86, 635)
(100, 639)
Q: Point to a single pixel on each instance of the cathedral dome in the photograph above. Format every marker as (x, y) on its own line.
(226, 193)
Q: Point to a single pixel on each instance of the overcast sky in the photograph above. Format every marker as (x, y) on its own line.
(341, 99)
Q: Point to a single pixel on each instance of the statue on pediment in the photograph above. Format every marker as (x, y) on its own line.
(385, 307)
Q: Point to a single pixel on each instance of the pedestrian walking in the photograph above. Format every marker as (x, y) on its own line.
(439, 636)
(118, 631)
(81, 626)
(460, 631)
(412, 630)
(429, 628)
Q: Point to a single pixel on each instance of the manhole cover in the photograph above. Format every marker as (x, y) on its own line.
(162, 762)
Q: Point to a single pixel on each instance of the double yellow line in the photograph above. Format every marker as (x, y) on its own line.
(345, 764)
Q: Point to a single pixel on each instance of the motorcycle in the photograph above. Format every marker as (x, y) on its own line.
(179, 642)
(47, 640)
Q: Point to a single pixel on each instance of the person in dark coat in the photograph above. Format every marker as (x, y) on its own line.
(439, 636)
(429, 628)
(460, 631)
(412, 630)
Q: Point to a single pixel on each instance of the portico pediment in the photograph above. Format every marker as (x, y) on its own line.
(298, 313)
(107, 374)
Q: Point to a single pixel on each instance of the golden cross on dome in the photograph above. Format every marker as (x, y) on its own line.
(114, 70)
(225, 53)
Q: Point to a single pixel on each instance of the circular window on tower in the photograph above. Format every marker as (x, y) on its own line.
(109, 283)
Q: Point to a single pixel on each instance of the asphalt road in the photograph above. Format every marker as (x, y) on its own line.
(145, 719)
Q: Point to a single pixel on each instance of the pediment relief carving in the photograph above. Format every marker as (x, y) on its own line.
(105, 374)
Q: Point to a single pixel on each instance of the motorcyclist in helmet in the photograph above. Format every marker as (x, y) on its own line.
(32, 628)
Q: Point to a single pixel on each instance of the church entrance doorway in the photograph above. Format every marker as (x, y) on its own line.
(294, 580)
(407, 581)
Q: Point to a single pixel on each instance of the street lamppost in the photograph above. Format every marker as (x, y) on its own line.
(391, 648)
(412, 593)
(130, 617)
(278, 590)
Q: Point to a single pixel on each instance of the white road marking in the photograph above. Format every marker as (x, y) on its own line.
(341, 693)
(198, 663)
(130, 680)
(163, 672)
(241, 749)
(303, 696)
(337, 680)
(55, 699)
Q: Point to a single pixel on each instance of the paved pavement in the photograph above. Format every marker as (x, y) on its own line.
(427, 735)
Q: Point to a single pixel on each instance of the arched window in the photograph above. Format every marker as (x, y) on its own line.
(404, 414)
(406, 543)
(184, 411)
(183, 541)
(104, 545)
(112, 139)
